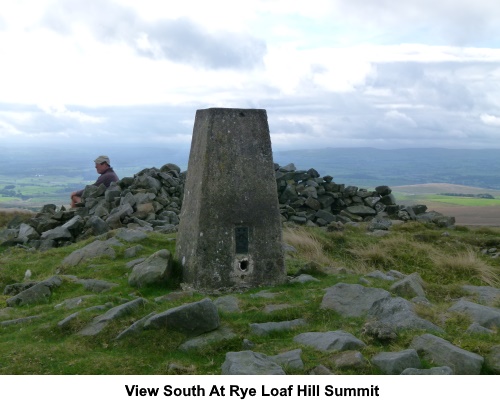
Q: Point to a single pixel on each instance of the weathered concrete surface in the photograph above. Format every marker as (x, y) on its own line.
(230, 229)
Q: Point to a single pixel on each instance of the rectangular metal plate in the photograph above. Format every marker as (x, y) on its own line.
(241, 237)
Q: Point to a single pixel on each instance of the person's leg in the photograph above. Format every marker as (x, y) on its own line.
(75, 200)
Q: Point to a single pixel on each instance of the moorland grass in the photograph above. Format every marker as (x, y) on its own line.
(445, 259)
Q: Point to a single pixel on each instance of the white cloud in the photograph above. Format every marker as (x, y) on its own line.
(7, 129)
(489, 119)
(60, 111)
(345, 72)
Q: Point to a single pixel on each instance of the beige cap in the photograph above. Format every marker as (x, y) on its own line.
(102, 159)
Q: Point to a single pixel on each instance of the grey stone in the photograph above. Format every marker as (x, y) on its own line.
(475, 328)
(444, 370)
(155, 270)
(39, 293)
(263, 329)
(409, 287)
(396, 362)
(199, 342)
(20, 320)
(352, 299)
(486, 295)
(16, 288)
(101, 321)
(320, 370)
(327, 341)
(249, 363)
(74, 225)
(379, 331)
(135, 328)
(396, 274)
(443, 353)
(72, 303)
(117, 214)
(98, 248)
(290, 360)
(493, 359)
(228, 303)
(303, 278)
(361, 210)
(192, 319)
(380, 224)
(59, 233)
(96, 286)
(133, 251)
(380, 276)
(399, 314)
(69, 319)
(27, 232)
(325, 215)
(483, 315)
(350, 359)
(97, 225)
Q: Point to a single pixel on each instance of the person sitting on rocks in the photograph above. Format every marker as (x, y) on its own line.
(107, 176)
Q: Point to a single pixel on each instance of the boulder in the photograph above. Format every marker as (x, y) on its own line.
(192, 319)
(328, 341)
(155, 270)
(443, 353)
(249, 363)
(352, 299)
(396, 362)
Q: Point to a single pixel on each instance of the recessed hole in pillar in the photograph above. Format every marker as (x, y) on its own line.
(244, 265)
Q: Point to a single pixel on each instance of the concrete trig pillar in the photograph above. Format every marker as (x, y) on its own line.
(230, 229)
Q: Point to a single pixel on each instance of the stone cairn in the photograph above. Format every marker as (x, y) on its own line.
(152, 200)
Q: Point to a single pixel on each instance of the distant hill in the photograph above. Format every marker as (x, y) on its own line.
(364, 167)
(370, 167)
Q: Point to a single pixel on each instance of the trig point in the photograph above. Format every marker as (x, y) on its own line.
(230, 229)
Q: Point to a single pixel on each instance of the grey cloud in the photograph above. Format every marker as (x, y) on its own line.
(179, 40)
(284, 125)
(434, 85)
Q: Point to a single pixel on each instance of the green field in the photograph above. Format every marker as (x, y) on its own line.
(35, 191)
(463, 201)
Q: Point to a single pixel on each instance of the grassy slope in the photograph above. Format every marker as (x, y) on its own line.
(41, 347)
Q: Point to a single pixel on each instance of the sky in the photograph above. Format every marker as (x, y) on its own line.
(330, 73)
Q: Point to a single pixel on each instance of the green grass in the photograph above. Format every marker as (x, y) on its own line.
(463, 201)
(41, 347)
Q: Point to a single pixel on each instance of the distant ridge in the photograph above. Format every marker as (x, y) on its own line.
(371, 167)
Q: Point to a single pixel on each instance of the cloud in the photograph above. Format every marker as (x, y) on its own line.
(179, 40)
(489, 119)
(7, 129)
(61, 112)
(329, 73)
(396, 120)
(459, 23)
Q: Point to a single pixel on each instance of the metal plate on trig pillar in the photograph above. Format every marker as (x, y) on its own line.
(241, 237)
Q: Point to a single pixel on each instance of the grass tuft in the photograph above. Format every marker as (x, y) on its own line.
(466, 265)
